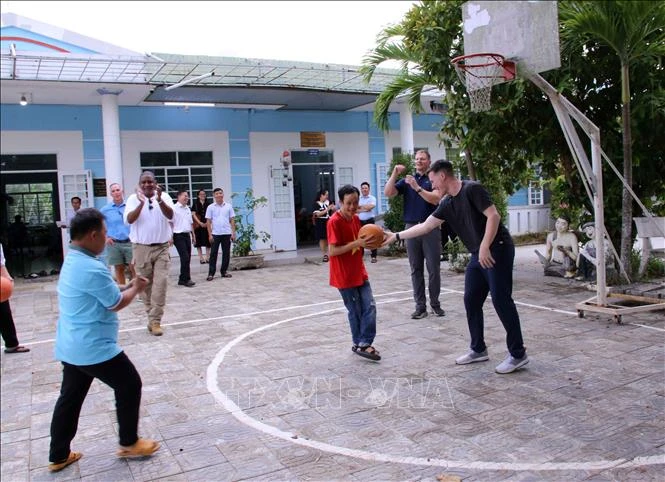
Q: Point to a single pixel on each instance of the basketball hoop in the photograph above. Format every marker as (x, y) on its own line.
(479, 72)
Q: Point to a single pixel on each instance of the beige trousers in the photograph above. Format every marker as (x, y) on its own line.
(153, 263)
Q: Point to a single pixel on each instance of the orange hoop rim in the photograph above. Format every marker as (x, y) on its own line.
(492, 60)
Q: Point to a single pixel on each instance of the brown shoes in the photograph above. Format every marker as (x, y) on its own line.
(58, 466)
(142, 448)
(155, 328)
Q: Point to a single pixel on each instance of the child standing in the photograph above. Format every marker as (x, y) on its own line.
(348, 273)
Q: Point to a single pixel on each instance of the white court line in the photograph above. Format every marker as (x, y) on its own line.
(240, 415)
(322, 303)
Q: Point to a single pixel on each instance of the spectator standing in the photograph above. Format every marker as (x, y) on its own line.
(321, 213)
(7, 327)
(183, 237)
(118, 245)
(199, 207)
(149, 212)
(367, 211)
(419, 203)
(220, 218)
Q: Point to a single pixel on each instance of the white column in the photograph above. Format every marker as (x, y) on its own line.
(406, 128)
(111, 127)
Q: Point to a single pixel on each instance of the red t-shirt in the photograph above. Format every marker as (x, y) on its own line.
(347, 270)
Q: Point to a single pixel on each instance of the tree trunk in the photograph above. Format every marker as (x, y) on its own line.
(469, 164)
(627, 200)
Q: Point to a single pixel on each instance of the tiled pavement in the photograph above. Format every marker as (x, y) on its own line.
(254, 379)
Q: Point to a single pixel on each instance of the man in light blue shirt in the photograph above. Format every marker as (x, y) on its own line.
(118, 245)
(86, 343)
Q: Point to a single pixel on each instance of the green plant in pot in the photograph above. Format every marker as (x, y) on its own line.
(246, 234)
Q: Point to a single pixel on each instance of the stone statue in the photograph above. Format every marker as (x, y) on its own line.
(562, 251)
(587, 261)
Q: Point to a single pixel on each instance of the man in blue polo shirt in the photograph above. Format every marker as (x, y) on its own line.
(86, 343)
(419, 203)
(118, 246)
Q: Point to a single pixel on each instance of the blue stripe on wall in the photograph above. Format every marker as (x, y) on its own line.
(519, 198)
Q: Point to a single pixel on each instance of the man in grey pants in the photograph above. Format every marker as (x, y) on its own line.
(419, 203)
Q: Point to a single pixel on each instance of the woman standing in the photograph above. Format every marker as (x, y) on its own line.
(199, 207)
(321, 212)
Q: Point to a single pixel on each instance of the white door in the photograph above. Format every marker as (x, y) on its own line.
(78, 183)
(283, 235)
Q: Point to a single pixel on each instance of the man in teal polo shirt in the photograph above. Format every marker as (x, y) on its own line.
(86, 343)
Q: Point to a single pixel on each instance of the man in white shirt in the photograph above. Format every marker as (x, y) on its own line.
(220, 218)
(148, 213)
(367, 210)
(183, 237)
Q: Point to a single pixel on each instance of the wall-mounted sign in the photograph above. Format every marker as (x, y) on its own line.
(312, 139)
(312, 152)
(99, 187)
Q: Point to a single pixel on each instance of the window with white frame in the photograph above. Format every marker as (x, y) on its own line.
(535, 193)
(344, 176)
(381, 179)
(182, 170)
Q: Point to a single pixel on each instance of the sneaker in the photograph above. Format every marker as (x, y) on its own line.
(510, 364)
(419, 314)
(438, 311)
(142, 448)
(472, 357)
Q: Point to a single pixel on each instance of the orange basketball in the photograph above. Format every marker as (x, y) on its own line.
(373, 234)
(6, 288)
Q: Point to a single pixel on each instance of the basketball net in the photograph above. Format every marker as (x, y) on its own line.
(479, 72)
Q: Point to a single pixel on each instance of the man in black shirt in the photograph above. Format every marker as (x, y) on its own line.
(475, 219)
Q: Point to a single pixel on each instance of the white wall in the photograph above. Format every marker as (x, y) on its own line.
(67, 145)
(135, 142)
(266, 149)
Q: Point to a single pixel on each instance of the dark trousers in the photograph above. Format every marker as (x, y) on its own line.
(225, 241)
(498, 281)
(119, 374)
(370, 221)
(183, 244)
(7, 328)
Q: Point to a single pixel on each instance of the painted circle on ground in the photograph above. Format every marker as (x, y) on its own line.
(241, 416)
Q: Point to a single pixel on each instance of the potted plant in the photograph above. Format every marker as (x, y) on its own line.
(246, 234)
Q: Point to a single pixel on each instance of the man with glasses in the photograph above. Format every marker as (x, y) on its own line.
(148, 213)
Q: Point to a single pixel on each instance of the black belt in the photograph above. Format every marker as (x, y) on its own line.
(120, 240)
(151, 244)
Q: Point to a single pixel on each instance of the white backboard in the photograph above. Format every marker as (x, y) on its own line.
(526, 32)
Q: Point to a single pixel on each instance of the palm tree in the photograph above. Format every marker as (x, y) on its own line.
(633, 29)
(419, 70)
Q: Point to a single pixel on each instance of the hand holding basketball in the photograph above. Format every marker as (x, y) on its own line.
(6, 288)
(372, 235)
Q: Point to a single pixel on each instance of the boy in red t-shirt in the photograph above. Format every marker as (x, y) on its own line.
(348, 273)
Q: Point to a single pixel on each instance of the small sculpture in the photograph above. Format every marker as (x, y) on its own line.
(587, 262)
(562, 251)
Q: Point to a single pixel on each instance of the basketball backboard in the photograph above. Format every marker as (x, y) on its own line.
(526, 32)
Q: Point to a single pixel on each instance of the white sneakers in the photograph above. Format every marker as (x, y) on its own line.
(509, 365)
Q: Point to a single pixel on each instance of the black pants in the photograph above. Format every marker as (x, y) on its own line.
(370, 221)
(119, 374)
(7, 328)
(183, 244)
(225, 241)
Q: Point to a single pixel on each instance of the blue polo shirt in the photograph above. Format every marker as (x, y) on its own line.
(115, 224)
(416, 209)
(87, 331)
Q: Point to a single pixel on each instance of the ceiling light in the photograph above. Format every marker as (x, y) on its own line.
(24, 100)
(189, 104)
